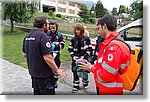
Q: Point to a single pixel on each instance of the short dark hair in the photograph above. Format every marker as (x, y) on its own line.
(110, 21)
(39, 21)
(53, 23)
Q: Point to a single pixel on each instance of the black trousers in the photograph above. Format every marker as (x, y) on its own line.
(75, 75)
(97, 90)
(43, 86)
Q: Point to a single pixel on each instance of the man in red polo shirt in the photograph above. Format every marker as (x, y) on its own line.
(113, 57)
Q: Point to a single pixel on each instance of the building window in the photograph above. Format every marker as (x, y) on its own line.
(61, 10)
(78, 5)
(62, 2)
(72, 11)
(71, 4)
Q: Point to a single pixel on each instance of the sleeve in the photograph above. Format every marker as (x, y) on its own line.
(88, 48)
(61, 43)
(111, 63)
(70, 48)
(94, 57)
(95, 54)
(45, 45)
(96, 50)
(23, 46)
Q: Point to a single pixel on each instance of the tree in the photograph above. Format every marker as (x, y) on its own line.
(105, 11)
(127, 10)
(100, 10)
(136, 9)
(114, 11)
(84, 13)
(18, 11)
(92, 11)
(122, 9)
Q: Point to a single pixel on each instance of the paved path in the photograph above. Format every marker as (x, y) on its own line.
(15, 80)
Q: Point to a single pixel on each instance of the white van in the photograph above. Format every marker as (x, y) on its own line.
(132, 33)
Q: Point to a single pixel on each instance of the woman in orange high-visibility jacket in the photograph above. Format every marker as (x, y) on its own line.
(113, 57)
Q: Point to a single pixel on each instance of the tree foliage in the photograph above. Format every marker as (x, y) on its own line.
(114, 11)
(100, 10)
(84, 13)
(136, 9)
(18, 11)
(92, 11)
(122, 9)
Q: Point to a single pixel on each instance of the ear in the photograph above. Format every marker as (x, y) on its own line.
(43, 25)
(104, 26)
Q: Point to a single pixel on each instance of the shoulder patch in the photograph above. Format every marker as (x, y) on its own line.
(48, 44)
(110, 57)
(111, 48)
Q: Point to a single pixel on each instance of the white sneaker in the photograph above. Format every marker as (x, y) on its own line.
(85, 87)
(74, 90)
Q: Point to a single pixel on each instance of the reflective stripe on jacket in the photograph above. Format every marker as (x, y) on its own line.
(80, 48)
(57, 39)
(114, 55)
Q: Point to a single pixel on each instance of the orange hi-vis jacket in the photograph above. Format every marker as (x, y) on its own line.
(114, 55)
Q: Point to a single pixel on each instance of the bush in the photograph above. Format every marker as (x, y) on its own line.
(51, 13)
(92, 20)
(58, 15)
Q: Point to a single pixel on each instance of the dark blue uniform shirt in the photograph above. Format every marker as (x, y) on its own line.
(36, 44)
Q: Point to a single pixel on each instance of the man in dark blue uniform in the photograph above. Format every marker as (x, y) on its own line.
(96, 50)
(57, 42)
(41, 65)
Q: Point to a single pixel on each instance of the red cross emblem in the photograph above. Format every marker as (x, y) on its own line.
(110, 57)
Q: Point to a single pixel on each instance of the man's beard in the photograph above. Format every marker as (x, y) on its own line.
(45, 30)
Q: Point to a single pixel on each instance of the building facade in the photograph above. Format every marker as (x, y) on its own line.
(63, 7)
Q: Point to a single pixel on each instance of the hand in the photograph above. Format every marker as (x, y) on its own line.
(61, 73)
(85, 66)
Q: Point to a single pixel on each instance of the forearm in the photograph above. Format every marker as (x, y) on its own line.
(51, 63)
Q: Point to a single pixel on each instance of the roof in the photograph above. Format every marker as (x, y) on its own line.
(135, 23)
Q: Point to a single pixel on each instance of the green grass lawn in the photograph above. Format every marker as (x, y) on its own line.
(12, 47)
(64, 54)
(68, 28)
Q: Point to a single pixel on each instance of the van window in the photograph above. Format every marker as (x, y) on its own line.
(132, 34)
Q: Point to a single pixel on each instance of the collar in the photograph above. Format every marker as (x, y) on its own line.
(36, 29)
(111, 36)
(54, 34)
